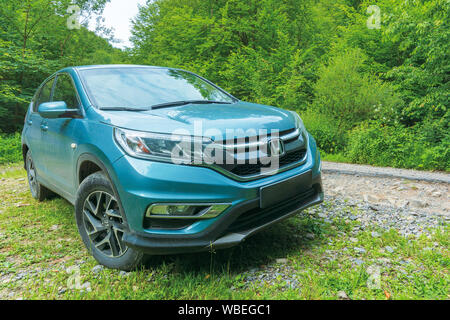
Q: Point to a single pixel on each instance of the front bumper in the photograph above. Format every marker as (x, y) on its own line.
(233, 228)
(141, 183)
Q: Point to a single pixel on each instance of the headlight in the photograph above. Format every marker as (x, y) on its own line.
(161, 147)
(298, 122)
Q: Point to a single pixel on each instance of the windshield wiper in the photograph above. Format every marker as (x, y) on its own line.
(124, 109)
(182, 103)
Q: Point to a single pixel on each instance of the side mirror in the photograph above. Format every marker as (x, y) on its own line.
(57, 109)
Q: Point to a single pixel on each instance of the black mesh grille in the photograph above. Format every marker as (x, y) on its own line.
(252, 169)
(167, 224)
(258, 217)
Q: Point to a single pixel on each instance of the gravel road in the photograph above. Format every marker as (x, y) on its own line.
(364, 170)
(408, 200)
(411, 202)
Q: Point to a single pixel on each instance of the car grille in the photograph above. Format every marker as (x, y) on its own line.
(252, 169)
(295, 147)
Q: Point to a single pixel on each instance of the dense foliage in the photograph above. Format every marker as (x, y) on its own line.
(369, 95)
(373, 95)
(35, 42)
(10, 148)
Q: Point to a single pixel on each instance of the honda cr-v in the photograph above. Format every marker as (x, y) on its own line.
(159, 160)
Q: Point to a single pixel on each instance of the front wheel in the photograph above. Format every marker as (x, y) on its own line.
(101, 224)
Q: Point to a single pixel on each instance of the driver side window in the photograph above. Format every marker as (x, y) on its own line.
(65, 91)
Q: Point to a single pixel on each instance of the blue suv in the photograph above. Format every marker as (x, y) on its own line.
(160, 160)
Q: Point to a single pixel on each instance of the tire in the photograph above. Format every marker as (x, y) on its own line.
(101, 224)
(38, 191)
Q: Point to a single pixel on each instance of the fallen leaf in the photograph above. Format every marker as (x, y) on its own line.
(207, 276)
(387, 294)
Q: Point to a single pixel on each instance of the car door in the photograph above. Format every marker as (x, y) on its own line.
(36, 124)
(59, 137)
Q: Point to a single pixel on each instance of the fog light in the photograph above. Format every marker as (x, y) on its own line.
(186, 211)
(173, 210)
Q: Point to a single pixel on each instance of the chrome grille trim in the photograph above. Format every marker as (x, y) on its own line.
(256, 144)
(266, 174)
(291, 136)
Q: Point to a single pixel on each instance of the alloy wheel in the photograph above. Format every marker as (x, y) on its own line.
(104, 223)
(31, 174)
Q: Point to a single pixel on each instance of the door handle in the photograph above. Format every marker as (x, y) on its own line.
(44, 127)
(30, 122)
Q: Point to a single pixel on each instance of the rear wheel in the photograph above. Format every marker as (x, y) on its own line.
(101, 224)
(38, 191)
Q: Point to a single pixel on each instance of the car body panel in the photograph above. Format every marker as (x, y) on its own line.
(144, 183)
(214, 119)
(59, 158)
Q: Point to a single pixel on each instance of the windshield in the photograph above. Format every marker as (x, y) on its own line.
(142, 88)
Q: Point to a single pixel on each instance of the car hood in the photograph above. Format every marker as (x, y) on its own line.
(208, 120)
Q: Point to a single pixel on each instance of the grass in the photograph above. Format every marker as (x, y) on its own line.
(10, 148)
(42, 257)
(334, 157)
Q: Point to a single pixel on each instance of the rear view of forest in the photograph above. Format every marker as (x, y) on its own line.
(369, 78)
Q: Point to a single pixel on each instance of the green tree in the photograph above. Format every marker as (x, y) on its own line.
(35, 42)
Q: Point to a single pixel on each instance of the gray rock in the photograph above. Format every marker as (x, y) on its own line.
(436, 194)
(310, 236)
(86, 287)
(342, 295)
(97, 269)
(282, 261)
(359, 250)
(358, 262)
(322, 215)
(384, 261)
(418, 203)
(20, 276)
(389, 249)
(62, 291)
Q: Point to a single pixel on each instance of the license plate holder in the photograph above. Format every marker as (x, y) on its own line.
(283, 190)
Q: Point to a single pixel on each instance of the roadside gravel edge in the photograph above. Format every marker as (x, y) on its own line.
(370, 171)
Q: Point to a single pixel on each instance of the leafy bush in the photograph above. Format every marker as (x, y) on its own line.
(326, 132)
(10, 148)
(423, 40)
(347, 95)
(398, 146)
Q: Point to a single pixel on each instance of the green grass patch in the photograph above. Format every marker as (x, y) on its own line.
(39, 243)
(338, 157)
(10, 148)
